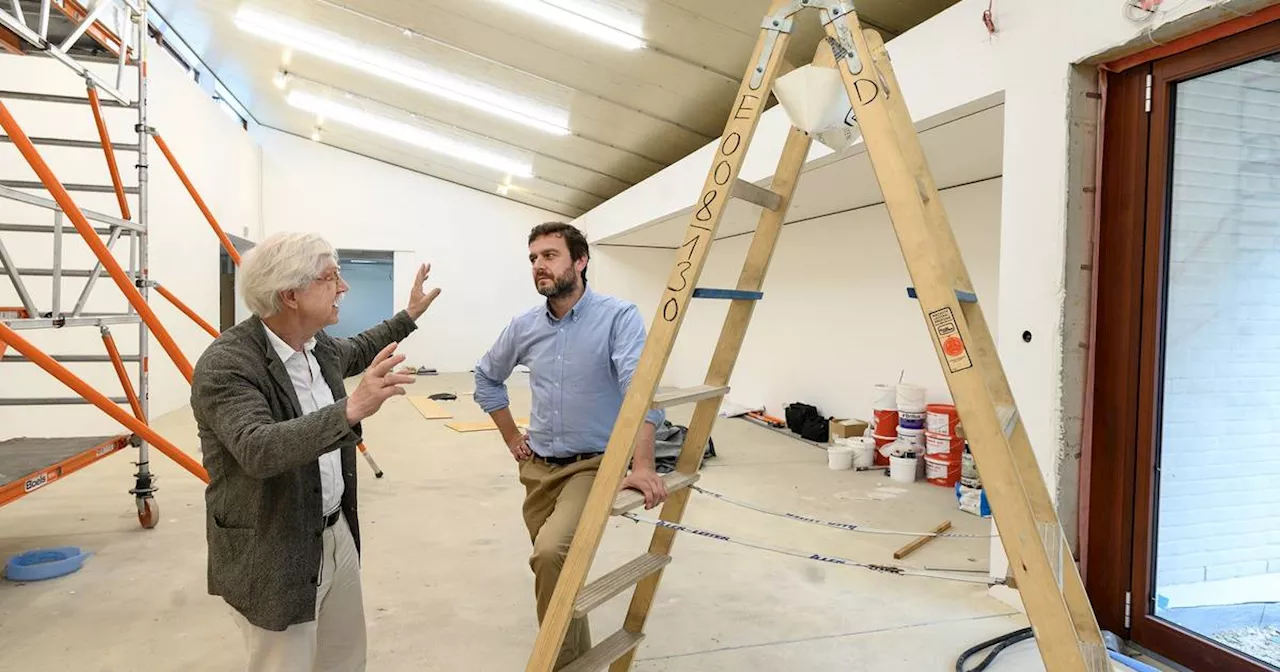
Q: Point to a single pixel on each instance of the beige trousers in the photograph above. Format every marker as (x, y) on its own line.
(554, 499)
(335, 641)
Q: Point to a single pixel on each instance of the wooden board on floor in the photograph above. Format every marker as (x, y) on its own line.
(429, 408)
(484, 426)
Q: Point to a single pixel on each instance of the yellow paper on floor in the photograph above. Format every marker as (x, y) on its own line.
(429, 408)
(485, 426)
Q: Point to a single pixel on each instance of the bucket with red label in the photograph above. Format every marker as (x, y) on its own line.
(941, 470)
(942, 445)
(943, 419)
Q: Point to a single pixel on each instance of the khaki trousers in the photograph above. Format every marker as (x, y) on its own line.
(554, 499)
(335, 640)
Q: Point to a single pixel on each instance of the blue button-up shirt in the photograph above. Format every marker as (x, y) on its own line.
(579, 369)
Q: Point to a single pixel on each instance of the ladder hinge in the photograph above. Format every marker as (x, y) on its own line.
(1148, 92)
(1128, 599)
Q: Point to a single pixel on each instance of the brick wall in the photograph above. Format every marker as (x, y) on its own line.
(1219, 497)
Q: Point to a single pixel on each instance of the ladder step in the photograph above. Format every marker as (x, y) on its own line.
(91, 188)
(78, 144)
(632, 499)
(603, 654)
(732, 294)
(961, 295)
(73, 100)
(689, 395)
(67, 229)
(606, 587)
(48, 272)
(762, 197)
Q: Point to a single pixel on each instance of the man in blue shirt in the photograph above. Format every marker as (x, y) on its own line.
(581, 349)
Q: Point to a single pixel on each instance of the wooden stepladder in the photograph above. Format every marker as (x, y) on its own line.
(1063, 620)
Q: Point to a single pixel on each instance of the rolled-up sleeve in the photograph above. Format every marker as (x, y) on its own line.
(494, 368)
(628, 344)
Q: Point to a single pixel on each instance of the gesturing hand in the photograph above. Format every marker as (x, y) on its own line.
(519, 447)
(649, 483)
(379, 384)
(420, 299)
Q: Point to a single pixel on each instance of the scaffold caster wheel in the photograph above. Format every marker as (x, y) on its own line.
(148, 512)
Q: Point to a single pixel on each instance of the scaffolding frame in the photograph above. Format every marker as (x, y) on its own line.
(131, 51)
(135, 283)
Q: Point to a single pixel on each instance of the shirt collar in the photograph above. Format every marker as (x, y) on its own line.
(284, 350)
(576, 311)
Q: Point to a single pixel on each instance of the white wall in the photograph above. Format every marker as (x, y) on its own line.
(475, 242)
(836, 319)
(217, 154)
(947, 62)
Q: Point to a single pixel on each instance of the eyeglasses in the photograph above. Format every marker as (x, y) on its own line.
(334, 277)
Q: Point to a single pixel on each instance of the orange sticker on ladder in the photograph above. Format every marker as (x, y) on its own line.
(943, 323)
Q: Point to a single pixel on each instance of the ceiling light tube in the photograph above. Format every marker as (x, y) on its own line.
(351, 116)
(578, 16)
(386, 65)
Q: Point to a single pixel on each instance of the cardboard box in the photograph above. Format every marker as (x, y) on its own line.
(844, 429)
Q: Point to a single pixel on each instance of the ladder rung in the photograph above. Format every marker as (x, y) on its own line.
(74, 100)
(733, 294)
(70, 359)
(78, 144)
(961, 295)
(689, 395)
(762, 197)
(630, 499)
(606, 587)
(48, 272)
(67, 229)
(603, 654)
(90, 188)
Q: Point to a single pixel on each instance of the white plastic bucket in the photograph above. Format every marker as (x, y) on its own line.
(885, 399)
(840, 457)
(911, 419)
(864, 453)
(911, 397)
(915, 437)
(903, 469)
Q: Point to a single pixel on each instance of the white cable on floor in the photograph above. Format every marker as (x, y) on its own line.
(848, 527)
(830, 559)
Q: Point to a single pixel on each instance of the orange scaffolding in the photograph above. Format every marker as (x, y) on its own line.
(31, 464)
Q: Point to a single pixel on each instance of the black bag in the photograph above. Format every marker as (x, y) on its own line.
(804, 419)
(667, 442)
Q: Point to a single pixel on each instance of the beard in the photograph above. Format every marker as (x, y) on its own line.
(560, 286)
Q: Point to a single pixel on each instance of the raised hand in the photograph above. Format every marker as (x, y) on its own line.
(379, 384)
(419, 298)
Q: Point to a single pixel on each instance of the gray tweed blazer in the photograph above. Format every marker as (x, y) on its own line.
(262, 504)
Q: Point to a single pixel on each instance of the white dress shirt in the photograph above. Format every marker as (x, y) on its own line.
(314, 394)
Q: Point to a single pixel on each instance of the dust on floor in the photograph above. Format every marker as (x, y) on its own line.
(446, 579)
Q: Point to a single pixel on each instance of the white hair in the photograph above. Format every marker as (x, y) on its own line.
(282, 262)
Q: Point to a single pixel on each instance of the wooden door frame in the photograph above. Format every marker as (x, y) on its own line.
(1132, 257)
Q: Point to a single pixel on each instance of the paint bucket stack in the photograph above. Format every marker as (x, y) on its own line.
(944, 445)
(884, 425)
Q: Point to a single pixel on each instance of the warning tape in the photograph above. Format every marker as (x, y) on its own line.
(848, 527)
(900, 570)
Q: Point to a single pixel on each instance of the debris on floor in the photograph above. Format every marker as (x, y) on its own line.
(1262, 643)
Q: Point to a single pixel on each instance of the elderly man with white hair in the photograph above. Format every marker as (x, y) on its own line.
(279, 436)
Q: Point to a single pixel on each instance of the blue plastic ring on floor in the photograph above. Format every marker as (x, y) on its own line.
(44, 563)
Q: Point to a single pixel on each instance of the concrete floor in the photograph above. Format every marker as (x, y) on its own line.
(446, 582)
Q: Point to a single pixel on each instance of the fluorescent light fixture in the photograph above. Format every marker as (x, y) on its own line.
(580, 16)
(386, 65)
(407, 133)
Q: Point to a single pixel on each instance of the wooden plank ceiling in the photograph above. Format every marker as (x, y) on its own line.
(629, 113)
